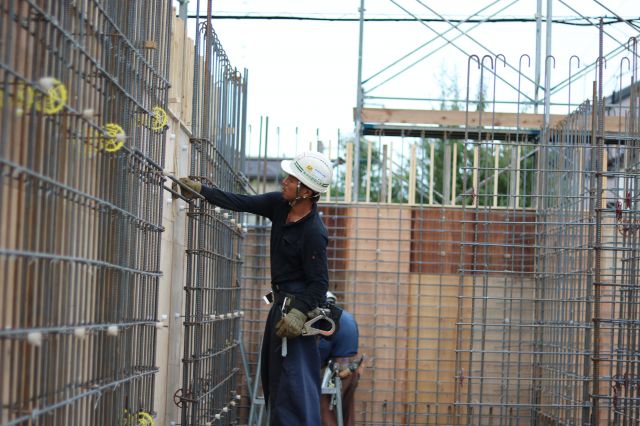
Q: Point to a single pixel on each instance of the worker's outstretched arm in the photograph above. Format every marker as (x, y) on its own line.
(262, 205)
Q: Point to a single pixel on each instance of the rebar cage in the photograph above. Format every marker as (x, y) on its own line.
(212, 292)
(83, 85)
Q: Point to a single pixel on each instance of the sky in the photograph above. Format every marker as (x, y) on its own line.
(303, 74)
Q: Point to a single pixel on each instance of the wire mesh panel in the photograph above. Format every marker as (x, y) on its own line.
(495, 318)
(395, 266)
(572, 315)
(82, 91)
(212, 304)
(564, 271)
(503, 295)
(616, 334)
(524, 323)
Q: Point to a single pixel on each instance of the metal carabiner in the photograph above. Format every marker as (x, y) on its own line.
(309, 330)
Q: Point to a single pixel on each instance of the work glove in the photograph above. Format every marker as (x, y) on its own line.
(314, 313)
(290, 325)
(192, 184)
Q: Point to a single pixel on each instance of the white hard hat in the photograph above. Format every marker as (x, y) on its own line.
(331, 297)
(313, 169)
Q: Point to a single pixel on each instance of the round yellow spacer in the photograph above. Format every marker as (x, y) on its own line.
(54, 100)
(145, 419)
(114, 137)
(159, 119)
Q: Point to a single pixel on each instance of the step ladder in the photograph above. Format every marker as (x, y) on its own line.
(332, 385)
(257, 411)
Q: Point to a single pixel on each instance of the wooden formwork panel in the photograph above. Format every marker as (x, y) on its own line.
(445, 239)
(181, 71)
(433, 332)
(408, 321)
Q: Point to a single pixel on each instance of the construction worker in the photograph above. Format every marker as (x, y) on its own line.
(342, 349)
(299, 280)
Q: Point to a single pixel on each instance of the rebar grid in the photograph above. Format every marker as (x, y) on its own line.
(393, 266)
(212, 291)
(81, 208)
(475, 295)
(574, 339)
(564, 272)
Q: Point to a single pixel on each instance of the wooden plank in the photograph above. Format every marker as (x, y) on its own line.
(454, 174)
(348, 173)
(412, 175)
(369, 153)
(459, 118)
(390, 172)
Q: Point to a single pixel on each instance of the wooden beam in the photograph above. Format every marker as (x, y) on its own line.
(458, 118)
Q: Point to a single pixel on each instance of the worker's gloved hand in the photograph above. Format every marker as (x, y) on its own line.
(290, 325)
(314, 313)
(192, 184)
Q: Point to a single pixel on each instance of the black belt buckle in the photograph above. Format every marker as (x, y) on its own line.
(268, 298)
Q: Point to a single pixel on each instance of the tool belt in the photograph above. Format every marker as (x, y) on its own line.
(279, 298)
(324, 321)
(345, 366)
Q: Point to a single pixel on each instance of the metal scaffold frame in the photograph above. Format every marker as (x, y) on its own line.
(461, 37)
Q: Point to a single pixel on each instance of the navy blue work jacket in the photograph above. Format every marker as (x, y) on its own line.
(342, 344)
(298, 249)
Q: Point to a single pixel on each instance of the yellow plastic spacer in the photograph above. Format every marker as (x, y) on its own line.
(145, 419)
(159, 119)
(54, 100)
(114, 137)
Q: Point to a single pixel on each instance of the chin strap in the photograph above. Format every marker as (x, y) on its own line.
(315, 196)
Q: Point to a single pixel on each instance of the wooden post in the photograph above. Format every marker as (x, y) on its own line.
(390, 173)
(512, 175)
(368, 191)
(580, 168)
(412, 176)
(383, 174)
(518, 155)
(476, 167)
(496, 164)
(431, 167)
(454, 174)
(348, 173)
(605, 160)
(446, 173)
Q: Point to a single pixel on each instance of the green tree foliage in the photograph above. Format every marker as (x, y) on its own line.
(487, 152)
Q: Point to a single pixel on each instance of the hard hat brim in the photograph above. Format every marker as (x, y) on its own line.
(286, 167)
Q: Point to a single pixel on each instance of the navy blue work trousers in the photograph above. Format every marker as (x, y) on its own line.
(291, 384)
